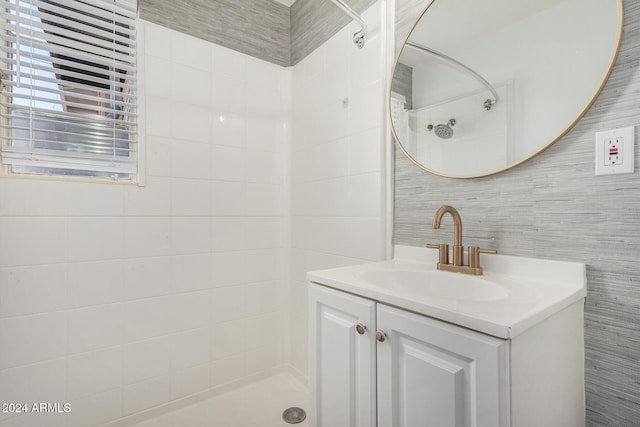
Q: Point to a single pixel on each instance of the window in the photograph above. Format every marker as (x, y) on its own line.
(69, 101)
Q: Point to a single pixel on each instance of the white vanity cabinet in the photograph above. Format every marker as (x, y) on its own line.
(420, 372)
(431, 373)
(342, 368)
(408, 370)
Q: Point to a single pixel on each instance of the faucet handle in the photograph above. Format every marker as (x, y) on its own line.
(443, 249)
(488, 251)
(474, 255)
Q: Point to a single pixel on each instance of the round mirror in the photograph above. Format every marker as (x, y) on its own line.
(480, 87)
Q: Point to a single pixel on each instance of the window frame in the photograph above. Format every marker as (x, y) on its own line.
(85, 162)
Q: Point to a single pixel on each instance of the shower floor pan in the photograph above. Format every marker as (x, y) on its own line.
(259, 404)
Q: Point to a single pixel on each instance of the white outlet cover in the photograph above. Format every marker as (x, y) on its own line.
(627, 151)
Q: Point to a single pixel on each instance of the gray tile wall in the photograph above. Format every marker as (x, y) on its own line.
(314, 21)
(264, 29)
(554, 207)
(402, 83)
(259, 28)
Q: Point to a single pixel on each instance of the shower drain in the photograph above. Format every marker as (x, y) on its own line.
(294, 415)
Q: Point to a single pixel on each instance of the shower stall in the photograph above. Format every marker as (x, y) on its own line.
(129, 304)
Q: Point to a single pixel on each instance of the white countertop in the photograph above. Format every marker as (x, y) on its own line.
(531, 289)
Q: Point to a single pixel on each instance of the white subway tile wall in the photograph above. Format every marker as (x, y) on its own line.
(118, 299)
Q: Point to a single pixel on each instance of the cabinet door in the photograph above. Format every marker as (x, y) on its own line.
(342, 365)
(434, 374)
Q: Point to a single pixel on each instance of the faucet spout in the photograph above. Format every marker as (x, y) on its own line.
(458, 250)
(457, 222)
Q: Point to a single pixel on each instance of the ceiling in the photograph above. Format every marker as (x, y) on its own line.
(286, 2)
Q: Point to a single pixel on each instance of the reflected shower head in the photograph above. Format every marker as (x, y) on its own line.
(443, 131)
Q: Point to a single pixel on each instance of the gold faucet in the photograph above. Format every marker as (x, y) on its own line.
(458, 250)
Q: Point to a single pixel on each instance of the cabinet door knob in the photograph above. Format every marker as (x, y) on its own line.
(380, 335)
(360, 328)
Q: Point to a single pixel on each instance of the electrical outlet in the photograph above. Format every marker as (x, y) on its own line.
(615, 151)
(613, 148)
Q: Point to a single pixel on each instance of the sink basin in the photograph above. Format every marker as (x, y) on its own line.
(514, 293)
(436, 284)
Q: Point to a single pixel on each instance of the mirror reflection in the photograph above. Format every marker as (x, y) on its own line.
(480, 87)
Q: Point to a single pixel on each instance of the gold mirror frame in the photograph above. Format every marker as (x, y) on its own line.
(543, 146)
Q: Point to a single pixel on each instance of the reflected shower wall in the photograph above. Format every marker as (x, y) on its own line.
(485, 136)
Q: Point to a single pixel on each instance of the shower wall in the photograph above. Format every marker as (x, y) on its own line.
(553, 207)
(337, 181)
(119, 298)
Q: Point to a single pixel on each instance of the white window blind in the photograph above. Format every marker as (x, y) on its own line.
(69, 101)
